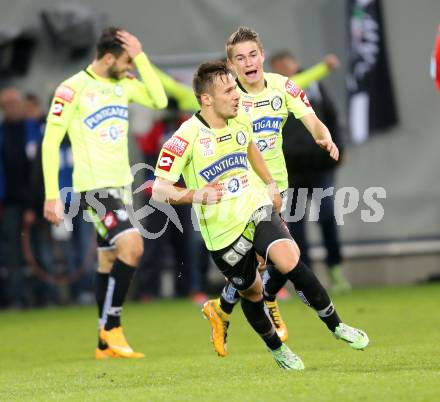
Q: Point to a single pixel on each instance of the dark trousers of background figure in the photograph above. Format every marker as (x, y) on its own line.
(326, 221)
(15, 287)
(64, 255)
(172, 247)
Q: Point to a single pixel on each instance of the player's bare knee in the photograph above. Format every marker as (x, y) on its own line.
(130, 248)
(285, 255)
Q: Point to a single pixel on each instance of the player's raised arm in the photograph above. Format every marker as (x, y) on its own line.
(150, 91)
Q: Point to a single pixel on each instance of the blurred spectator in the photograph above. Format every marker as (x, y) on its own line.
(310, 167)
(184, 247)
(19, 140)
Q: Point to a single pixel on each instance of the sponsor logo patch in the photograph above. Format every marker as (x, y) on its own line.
(166, 161)
(292, 88)
(304, 98)
(65, 93)
(207, 146)
(57, 108)
(228, 162)
(267, 124)
(262, 103)
(105, 113)
(267, 143)
(176, 145)
(109, 220)
(247, 105)
(224, 138)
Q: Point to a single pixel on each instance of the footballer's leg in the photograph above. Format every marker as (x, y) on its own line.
(273, 282)
(252, 305)
(106, 258)
(217, 312)
(129, 249)
(240, 270)
(286, 258)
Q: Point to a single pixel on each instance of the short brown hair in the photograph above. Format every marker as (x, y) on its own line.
(206, 74)
(109, 43)
(242, 34)
(282, 54)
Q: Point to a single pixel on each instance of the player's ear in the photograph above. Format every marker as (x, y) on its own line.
(108, 59)
(206, 99)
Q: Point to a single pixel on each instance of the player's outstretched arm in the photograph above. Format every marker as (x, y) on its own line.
(317, 72)
(167, 192)
(184, 95)
(320, 133)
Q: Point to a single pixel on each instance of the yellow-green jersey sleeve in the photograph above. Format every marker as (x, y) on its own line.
(183, 94)
(296, 99)
(307, 77)
(175, 155)
(149, 92)
(63, 106)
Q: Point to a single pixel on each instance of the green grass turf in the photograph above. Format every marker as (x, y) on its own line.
(48, 354)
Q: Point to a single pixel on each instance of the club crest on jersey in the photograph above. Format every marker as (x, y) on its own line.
(112, 133)
(228, 162)
(118, 90)
(247, 105)
(107, 112)
(276, 103)
(241, 138)
(267, 124)
(176, 145)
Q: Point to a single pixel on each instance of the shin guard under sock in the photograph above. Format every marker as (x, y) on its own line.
(118, 284)
(260, 322)
(312, 293)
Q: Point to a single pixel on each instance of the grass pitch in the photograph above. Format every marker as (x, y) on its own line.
(48, 354)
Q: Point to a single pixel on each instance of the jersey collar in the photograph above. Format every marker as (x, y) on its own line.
(204, 122)
(244, 90)
(95, 76)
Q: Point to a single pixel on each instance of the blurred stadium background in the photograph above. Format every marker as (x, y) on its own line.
(43, 42)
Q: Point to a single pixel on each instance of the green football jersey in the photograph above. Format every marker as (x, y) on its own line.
(94, 112)
(204, 155)
(268, 112)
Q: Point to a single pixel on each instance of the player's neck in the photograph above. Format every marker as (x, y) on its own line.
(214, 120)
(99, 69)
(255, 87)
